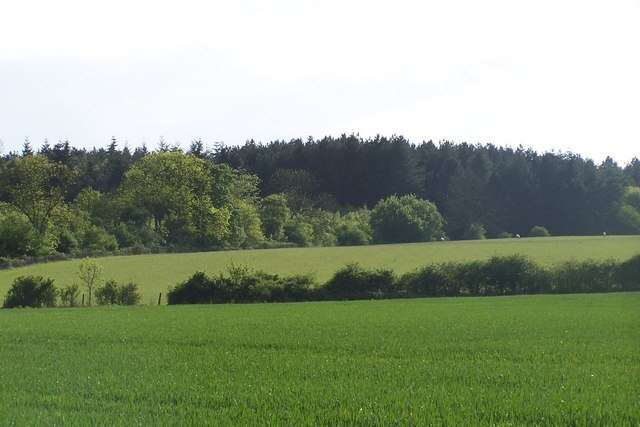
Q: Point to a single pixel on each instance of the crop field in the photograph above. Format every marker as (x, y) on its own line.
(545, 360)
(155, 273)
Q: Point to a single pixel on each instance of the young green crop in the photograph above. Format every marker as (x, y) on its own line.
(546, 360)
(155, 273)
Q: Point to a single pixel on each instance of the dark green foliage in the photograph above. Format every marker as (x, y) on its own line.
(628, 274)
(113, 294)
(108, 293)
(355, 282)
(539, 231)
(242, 284)
(31, 291)
(69, 295)
(499, 275)
(585, 276)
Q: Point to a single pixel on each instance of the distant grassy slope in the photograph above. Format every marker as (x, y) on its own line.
(154, 273)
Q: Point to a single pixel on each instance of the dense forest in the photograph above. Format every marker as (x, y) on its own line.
(330, 191)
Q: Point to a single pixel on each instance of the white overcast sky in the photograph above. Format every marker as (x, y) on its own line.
(551, 75)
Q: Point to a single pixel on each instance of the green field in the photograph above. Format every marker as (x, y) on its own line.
(155, 273)
(522, 360)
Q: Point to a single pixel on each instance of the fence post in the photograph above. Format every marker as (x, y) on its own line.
(83, 300)
(159, 298)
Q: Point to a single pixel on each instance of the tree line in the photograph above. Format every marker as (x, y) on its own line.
(333, 191)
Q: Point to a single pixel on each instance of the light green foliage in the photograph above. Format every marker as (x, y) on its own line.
(90, 274)
(155, 273)
(354, 228)
(36, 186)
(175, 189)
(629, 212)
(297, 230)
(527, 360)
(406, 219)
(17, 235)
(274, 214)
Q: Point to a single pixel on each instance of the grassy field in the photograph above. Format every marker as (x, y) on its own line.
(545, 360)
(155, 273)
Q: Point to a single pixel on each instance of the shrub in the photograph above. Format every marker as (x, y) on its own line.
(128, 294)
(242, 284)
(513, 274)
(31, 291)
(584, 276)
(539, 231)
(430, 280)
(627, 276)
(108, 293)
(504, 235)
(350, 233)
(69, 295)
(475, 231)
(355, 282)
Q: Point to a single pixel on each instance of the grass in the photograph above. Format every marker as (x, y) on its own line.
(545, 360)
(155, 273)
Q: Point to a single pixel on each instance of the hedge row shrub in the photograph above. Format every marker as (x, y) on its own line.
(111, 293)
(242, 284)
(36, 291)
(499, 275)
(31, 291)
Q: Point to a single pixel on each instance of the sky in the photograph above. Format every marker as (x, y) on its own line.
(549, 75)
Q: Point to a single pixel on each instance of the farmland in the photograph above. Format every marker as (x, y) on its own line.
(155, 273)
(561, 359)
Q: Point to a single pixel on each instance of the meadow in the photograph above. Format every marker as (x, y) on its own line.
(544, 360)
(155, 273)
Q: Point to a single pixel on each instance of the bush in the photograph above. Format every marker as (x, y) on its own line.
(475, 231)
(31, 291)
(351, 233)
(69, 295)
(539, 231)
(504, 235)
(355, 282)
(584, 276)
(111, 293)
(513, 274)
(242, 284)
(627, 276)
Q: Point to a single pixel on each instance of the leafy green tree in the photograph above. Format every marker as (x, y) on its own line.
(175, 189)
(406, 219)
(17, 235)
(297, 230)
(274, 214)
(91, 275)
(629, 211)
(36, 186)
